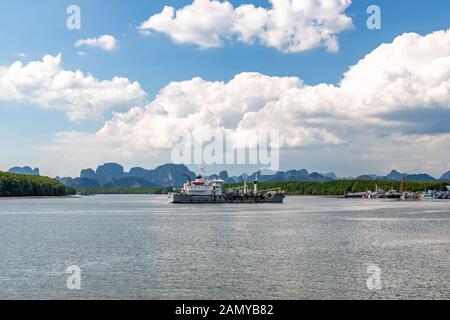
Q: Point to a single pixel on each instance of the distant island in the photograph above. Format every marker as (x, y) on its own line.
(27, 185)
(111, 178)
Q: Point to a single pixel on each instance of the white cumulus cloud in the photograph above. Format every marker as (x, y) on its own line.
(105, 42)
(288, 25)
(80, 95)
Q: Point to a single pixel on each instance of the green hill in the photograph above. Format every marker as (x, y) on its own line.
(19, 185)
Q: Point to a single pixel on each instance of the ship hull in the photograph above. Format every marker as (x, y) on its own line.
(184, 198)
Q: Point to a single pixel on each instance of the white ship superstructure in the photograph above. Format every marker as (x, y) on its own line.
(203, 187)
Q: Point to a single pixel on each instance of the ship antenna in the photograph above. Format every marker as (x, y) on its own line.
(202, 171)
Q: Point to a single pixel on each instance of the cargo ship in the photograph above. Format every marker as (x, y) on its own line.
(202, 190)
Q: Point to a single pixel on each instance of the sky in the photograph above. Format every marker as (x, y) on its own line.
(345, 98)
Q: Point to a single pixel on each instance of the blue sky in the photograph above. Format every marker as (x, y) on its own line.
(39, 28)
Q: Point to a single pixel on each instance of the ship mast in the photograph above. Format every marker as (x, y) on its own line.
(402, 185)
(202, 171)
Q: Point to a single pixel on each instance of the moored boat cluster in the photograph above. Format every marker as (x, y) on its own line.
(442, 193)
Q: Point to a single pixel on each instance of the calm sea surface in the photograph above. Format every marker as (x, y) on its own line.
(140, 247)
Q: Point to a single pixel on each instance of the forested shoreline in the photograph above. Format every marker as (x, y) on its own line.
(20, 185)
(331, 188)
(124, 190)
(341, 187)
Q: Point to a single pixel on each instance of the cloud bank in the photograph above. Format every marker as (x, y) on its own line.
(288, 25)
(81, 96)
(386, 111)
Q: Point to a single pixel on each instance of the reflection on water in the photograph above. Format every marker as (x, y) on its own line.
(141, 247)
